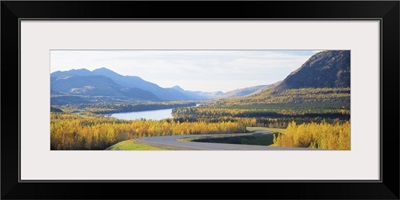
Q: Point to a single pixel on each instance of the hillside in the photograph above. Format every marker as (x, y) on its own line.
(322, 81)
(103, 85)
(197, 94)
(72, 89)
(88, 85)
(246, 91)
(104, 82)
(241, 91)
(316, 81)
(326, 69)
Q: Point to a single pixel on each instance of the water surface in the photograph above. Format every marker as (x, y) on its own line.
(149, 114)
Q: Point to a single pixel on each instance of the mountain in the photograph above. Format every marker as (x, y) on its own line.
(209, 95)
(177, 87)
(110, 84)
(139, 93)
(198, 94)
(88, 85)
(135, 81)
(95, 86)
(245, 91)
(323, 80)
(75, 72)
(265, 88)
(52, 92)
(326, 69)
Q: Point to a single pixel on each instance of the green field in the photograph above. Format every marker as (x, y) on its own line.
(255, 139)
(253, 129)
(132, 145)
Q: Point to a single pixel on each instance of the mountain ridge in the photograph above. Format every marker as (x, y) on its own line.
(246, 91)
(326, 69)
(124, 82)
(325, 75)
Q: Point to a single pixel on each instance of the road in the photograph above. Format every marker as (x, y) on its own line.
(172, 142)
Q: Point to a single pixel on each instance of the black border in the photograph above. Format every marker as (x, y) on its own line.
(386, 11)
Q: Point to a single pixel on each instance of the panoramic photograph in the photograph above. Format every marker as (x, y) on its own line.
(200, 100)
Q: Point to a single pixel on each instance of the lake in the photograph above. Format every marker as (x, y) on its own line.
(150, 114)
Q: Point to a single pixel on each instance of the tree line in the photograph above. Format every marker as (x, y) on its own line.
(316, 135)
(94, 132)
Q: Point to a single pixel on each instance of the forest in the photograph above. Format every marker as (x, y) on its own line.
(311, 105)
(313, 135)
(313, 118)
(95, 132)
(105, 108)
(87, 130)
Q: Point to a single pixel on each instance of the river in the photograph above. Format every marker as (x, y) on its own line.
(149, 114)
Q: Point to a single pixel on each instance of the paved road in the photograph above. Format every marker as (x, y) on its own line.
(171, 142)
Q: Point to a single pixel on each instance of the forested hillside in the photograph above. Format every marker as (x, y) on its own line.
(326, 69)
(320, 87)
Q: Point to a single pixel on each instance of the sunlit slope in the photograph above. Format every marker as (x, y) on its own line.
(326, 69)
(322, 81)
(319, 88)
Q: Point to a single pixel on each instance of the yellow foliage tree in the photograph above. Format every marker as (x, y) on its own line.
(323, 136)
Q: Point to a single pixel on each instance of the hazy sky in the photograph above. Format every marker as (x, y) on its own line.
(192, 70)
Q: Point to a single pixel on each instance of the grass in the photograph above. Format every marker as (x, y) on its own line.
(259, 140)
(275, 131)
(254, 129)
(254, 139)
(188, 139)
(132, 145)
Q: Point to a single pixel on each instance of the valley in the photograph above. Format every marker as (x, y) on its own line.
(94, 110)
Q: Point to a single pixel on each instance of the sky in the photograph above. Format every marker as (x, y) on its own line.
(196, 70)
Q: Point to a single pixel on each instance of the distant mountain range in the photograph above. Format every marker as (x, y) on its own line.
(246, 91)
(326, 69)
(198, 94)
(84, 86)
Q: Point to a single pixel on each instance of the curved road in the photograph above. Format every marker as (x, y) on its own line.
(172, 142)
